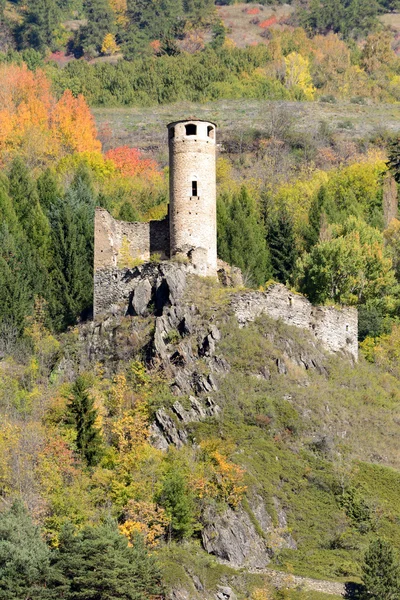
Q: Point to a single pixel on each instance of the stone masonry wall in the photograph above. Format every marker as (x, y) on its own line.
(117, 242)
(193, 220)
(336, 328)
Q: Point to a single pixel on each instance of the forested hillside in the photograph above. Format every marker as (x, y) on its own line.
(136, 464)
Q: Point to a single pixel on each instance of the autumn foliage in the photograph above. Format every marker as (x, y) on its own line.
(130, 163)
(268, 22)
(37, 125)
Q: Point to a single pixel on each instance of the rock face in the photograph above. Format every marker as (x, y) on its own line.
(232, 536)
(336, 328)
(131, 291)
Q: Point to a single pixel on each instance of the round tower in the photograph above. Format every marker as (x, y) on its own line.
(192, 199)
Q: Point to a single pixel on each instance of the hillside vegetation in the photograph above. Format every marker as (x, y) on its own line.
(180, 455)
(291, 435)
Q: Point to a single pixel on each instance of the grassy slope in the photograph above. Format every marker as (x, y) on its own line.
(324, 444)
(146, 127)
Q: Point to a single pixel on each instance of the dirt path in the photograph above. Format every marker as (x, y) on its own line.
(285, 580)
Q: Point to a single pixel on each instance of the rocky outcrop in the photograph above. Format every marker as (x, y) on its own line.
(167, 430)
(235, 540)
(140, 290)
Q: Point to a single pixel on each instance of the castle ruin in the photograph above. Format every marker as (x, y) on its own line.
(188, 235)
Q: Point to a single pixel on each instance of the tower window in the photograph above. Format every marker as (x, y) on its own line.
(210, 131)
(191, 129)
(171, 133)
(194, 188)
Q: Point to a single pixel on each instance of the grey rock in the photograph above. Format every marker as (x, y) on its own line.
(157, 438)
(141, 297)
(232, 538)
(169, 430)
(215, 333)
(179, 594)
(281, 366)
(197, 583)
(225, 593)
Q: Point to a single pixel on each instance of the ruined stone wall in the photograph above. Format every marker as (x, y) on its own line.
(118, 246)
(336, 328)
(193, 219)
(117, 243)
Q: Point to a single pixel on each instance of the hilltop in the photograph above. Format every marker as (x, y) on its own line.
(289, 451)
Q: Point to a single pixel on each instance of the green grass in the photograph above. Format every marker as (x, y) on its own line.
(146, 127)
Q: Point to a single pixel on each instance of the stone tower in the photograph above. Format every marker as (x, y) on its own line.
(192, 204)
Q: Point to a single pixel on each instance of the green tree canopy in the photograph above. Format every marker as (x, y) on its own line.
(380, 572)
(241, 236)
(282, 245)
(39, 25)
(98, 563)
(25, 570)
(88, 438)
(351, 268)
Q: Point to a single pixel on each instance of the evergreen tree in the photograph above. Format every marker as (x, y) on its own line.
(380, 572)
(241, 241)
(33, 221)
(97, 563)
(71, 273)
(157, 19)
(127, 213)
(18, 277)
(25, 570)
(394, 159)
(88, 438)
(48, 190)
(198, 10)
(100, 22)
(177, 499)
(282, 246)
(40, 22)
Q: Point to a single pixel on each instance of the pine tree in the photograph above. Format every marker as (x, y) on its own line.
(25, 570)
(88, 438)
(393, 161)
(48, 190)
(71, 275)
(18, 277)
(33, 221)
(98, 563)
(380, 572)
(282, 246)
(127, 213)
(242, 240)
(100, 22)
(177, 499)
(158, 19)
(37, 29)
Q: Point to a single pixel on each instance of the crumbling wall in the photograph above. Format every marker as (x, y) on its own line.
(336, 328)
(118, 244)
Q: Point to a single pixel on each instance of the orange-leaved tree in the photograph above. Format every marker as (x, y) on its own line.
(131, 163)
(37, 125)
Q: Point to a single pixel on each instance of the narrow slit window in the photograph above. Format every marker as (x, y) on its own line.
(172, 133)
(210, 132)
(191, 129)
(194, 188)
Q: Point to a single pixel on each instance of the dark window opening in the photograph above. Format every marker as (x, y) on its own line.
(191, 129)
(171, 133)
(210, 131)
(347, 327)
(194, 188)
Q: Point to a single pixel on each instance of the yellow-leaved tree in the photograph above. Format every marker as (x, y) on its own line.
(109, 46)
(297, 75)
